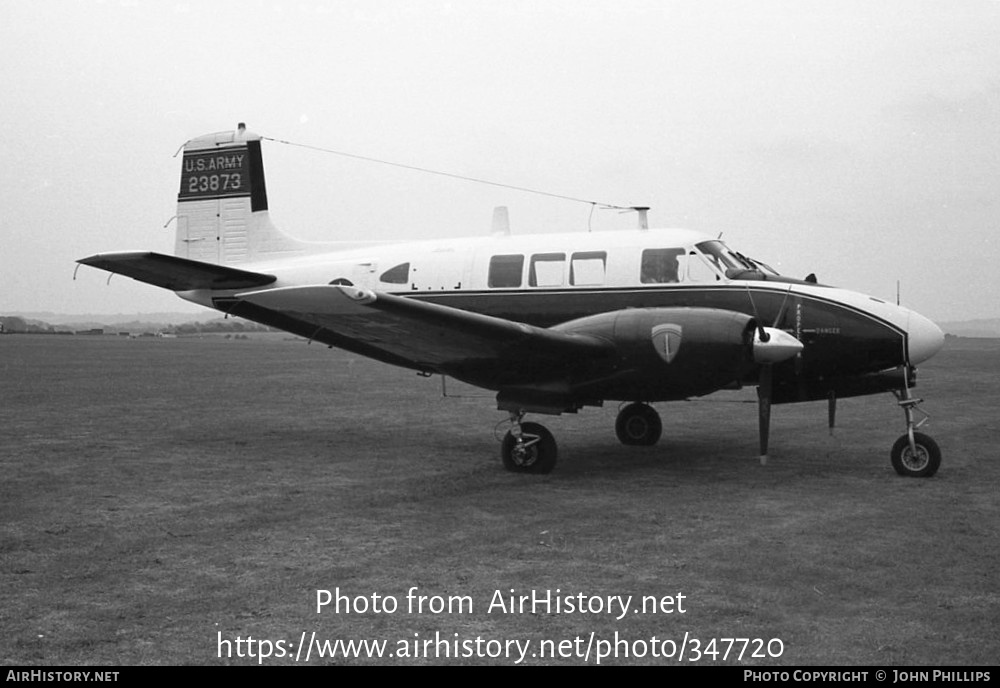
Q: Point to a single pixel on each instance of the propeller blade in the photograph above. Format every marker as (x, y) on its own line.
(764, 333)
(831, 411)
(764, 408)
(782, 309)
(761, 333)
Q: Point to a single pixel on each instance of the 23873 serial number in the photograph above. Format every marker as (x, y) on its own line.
(206, 183)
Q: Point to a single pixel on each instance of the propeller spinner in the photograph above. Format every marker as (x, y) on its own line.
(771, 345)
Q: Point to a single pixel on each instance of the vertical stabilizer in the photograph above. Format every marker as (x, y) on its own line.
(222, 214)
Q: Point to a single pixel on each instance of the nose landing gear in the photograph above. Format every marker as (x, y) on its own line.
(914, 454)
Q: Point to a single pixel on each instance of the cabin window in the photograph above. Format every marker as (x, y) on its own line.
(506, 271)
(695, 269)
(547, 270)
(587, 269)
(659, 265)
(397, 275)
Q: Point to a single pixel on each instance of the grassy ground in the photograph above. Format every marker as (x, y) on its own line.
(157, 493)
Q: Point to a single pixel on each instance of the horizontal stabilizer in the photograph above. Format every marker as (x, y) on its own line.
(174, 273)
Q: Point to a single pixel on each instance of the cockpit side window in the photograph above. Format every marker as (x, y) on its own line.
(694, 267)
(506, 271)
(660, 265)
(397, 275)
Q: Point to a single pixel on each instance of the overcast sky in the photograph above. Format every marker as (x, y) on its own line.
(856, 140)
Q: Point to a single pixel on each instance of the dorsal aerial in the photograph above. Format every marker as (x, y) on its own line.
(552, 323)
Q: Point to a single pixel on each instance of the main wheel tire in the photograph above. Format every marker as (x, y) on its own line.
(534, 452)
(638, 425)
(921, 464)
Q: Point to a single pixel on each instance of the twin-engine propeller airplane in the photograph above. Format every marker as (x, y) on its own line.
(550, 322)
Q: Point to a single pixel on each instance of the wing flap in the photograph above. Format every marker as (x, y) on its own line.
(175, 273)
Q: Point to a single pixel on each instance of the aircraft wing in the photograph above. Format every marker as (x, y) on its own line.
(175, 273)
(420, 335)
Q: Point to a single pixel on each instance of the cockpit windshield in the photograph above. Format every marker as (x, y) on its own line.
(728, 261)
(721, 256)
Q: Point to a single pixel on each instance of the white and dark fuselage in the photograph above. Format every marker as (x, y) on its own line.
(550, 279)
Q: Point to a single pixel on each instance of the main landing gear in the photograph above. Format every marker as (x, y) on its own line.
(531, 448)
(528, 447)
(914, 454)
(638, 425)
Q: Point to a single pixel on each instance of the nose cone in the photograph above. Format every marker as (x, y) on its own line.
(924, 338)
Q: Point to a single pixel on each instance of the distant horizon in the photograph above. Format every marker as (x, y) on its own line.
(63, 319)
(71, 313)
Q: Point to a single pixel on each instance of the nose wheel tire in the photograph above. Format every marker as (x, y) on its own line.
(921, 463)
(533, 450)
(638, 425)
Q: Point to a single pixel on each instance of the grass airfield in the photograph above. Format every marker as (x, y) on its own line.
(159, 495)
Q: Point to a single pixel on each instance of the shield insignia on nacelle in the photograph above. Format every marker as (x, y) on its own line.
(667, 340)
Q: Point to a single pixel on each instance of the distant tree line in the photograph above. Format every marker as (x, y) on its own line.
(222, 325)
(12, 324)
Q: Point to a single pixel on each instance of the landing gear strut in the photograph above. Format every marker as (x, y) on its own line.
(638, 425)
(528, 447)
(914, 454)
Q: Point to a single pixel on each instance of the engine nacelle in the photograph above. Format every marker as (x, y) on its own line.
(669, 353)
